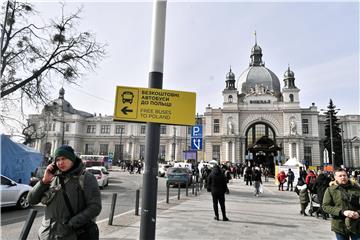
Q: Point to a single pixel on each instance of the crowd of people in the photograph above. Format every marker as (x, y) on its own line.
(334, 194)
(131, 166)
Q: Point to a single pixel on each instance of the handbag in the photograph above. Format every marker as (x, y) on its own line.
(353, 225)
(261, 189)
(88, 231)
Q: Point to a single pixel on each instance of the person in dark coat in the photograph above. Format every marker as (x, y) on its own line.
(257, 180)
(320, 186)
(68, 175)
(217, 185)
(290, 180)
(248, 175)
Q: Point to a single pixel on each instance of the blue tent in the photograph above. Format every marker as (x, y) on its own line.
(18, 160)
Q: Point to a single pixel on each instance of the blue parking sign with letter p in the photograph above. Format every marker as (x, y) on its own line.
(196, 131)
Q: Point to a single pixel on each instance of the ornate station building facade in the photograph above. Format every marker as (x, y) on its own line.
(259, 121)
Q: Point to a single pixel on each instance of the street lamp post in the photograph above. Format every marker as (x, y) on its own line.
(174, 145)
(342, 145)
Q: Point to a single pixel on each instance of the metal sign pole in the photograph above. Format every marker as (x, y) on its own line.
(149, 196)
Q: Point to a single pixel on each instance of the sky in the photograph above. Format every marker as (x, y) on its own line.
(319, 40)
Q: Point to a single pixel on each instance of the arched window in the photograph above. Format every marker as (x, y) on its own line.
(291, 96)
(257, 130)
(230, 99)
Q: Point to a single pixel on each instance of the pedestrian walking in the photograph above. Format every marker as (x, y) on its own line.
(302, 174)
(341, 200)
(281, 177)
(266, 174)
(257, 181)
(290, 179)
(217, 185)
(248, 175)
(302, 191)
(72, 199)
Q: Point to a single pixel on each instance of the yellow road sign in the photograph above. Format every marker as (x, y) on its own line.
(154, 105)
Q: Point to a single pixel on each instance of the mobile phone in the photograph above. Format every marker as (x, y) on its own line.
(54, 168)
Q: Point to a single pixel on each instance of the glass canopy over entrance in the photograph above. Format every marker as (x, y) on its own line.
(261, 145)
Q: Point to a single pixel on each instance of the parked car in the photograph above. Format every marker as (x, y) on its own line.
(179, 175)
(37, 175)
(163, 169)
(14, 194)
(101, 174)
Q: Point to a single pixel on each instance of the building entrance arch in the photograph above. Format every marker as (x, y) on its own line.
(260, 145)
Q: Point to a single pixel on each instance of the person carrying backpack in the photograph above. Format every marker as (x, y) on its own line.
(71, 208)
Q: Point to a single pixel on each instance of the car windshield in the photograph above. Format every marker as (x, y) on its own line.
(95, 171)
(177, 170)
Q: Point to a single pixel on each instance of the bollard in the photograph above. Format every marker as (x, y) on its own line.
(137, 202)
(28, 223)
(167, 192)
(179, 185)
(112, 210)
(187, 188)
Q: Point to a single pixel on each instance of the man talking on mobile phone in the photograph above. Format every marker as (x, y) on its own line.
(72, 198)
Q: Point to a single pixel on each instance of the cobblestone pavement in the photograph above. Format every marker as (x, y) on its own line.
(272, 215)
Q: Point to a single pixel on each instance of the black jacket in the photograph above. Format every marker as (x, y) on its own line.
(217, 182)
(257, 176)
(320, 185)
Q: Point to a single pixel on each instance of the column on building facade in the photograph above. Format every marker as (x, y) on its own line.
(133, 151)
(290, 150)
(233, 152)
(243, 150)
(227, 151)
(298, 152)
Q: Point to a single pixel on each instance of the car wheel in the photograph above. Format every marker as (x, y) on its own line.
(107, 183)
(23, 202)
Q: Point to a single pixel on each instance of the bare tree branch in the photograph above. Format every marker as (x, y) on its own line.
(31, 53)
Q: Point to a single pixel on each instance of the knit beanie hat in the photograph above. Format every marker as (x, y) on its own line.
(65, 151)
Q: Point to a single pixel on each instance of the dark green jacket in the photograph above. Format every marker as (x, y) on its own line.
(335, 202)
(85, 201)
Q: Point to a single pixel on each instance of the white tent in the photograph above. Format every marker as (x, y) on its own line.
(292, 162)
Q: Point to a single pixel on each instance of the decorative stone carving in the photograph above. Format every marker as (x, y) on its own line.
(230, 126)
(292, 126)
(260, 90)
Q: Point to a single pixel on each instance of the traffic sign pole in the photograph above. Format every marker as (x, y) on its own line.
(149, 196)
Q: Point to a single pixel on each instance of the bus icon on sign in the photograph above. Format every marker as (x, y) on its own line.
(127, 97)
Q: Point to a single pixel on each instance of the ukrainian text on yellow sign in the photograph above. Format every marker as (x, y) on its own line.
(154, 105)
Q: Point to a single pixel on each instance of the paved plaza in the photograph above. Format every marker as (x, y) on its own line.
(273, 215)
